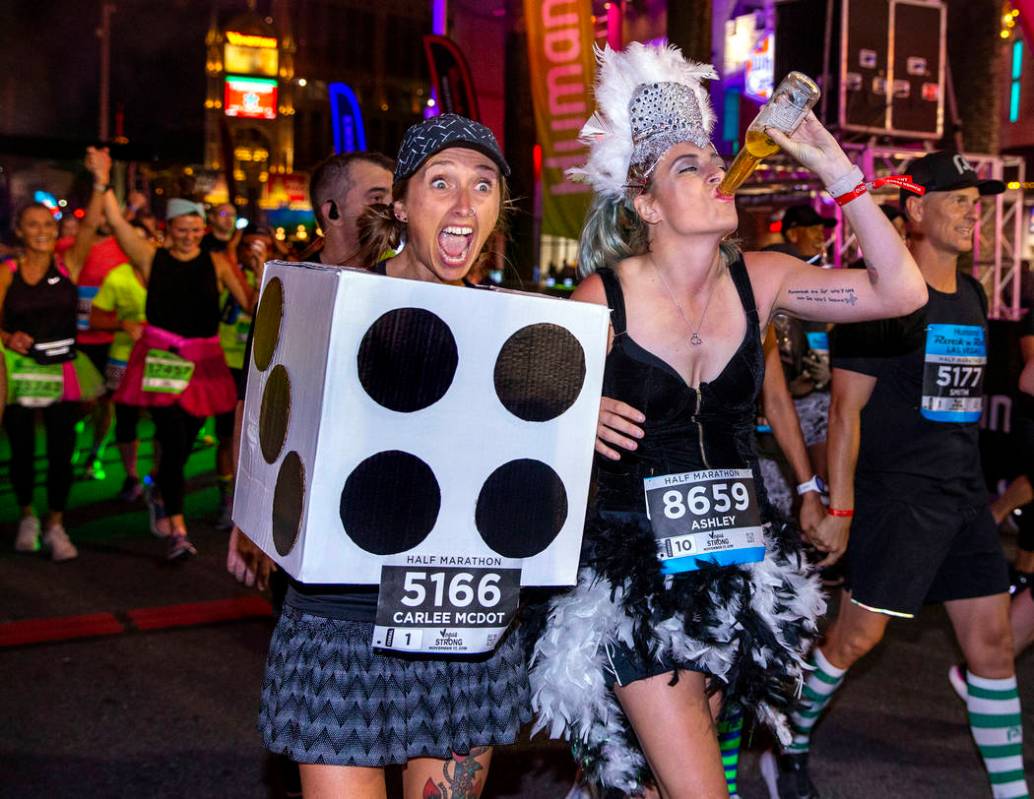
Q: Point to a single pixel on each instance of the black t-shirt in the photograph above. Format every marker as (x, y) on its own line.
(919, 434)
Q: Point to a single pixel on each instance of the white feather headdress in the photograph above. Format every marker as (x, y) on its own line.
(647, 99)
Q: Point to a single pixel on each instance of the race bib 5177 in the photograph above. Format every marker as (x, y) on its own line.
(953, 373)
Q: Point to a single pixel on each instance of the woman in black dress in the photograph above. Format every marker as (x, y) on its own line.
(692, 587)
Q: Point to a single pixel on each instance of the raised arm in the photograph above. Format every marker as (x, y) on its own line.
(786, 427)
(98, 162)
(232, 278)
(850, 393)
(890, 286)
(140, 251)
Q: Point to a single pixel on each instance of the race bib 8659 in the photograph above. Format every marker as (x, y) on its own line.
(708, 517)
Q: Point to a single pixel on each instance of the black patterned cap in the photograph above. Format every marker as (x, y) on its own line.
(441, 132)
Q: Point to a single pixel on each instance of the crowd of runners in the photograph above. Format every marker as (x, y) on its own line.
(862, 388)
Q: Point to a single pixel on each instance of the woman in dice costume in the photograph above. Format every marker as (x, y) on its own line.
(330, 701)
(630, 657)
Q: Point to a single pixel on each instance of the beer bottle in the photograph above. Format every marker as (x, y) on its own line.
(785, 110)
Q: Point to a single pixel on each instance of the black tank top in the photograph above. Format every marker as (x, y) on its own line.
(686, 429)
(183, 296)
(46, 311)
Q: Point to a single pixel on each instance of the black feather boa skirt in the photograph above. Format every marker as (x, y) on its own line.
(747, 627)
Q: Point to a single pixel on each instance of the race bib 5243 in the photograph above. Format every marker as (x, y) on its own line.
(706, 517)
(953, 373)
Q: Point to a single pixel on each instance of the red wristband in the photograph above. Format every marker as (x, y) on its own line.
(901, 181)
(845, 514)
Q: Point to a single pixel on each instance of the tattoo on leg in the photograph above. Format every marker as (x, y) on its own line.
(462, 783)
(831, 296)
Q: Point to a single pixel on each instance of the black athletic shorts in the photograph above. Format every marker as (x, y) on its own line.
(97, 353)
(901, 555)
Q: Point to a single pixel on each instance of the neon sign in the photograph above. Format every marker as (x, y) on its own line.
(250, 98)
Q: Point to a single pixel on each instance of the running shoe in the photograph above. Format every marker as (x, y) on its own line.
(95, 471)
(786, 776)
(132, 489)
(957, 678)
(180, 547)
(27, 539)
(57, 541)
(155, 512)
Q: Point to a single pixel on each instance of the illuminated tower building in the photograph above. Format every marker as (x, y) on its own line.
(249, 103)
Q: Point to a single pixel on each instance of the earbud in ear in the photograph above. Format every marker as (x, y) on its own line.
(333, 213)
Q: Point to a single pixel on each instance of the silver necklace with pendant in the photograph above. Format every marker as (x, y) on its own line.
(694, 337)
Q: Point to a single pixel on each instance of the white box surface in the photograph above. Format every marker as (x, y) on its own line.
(397, 417)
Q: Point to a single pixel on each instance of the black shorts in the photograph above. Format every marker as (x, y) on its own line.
(901, 555)
(624, 665)
(97, 353)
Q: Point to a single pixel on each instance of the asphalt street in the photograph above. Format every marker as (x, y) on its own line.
(165, 704)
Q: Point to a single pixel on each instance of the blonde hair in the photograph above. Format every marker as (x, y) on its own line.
(614, 231)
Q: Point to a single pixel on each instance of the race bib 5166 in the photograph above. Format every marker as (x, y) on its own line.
(953, 373)
(427, 606)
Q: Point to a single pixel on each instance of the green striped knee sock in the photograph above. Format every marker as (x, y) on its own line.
(730, 731)
(993, 707)
(819, 687)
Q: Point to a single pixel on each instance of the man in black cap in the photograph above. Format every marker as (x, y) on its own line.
(804, 231)
(904, 462)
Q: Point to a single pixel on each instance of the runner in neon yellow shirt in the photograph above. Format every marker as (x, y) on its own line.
(119, 306)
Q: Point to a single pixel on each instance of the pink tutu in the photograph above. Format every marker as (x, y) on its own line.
(211, 389)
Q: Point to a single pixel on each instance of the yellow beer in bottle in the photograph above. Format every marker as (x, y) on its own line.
(790, 102)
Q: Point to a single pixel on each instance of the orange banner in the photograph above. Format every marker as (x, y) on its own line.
(560, 39)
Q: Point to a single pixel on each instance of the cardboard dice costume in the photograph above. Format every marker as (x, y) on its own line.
(432, 440)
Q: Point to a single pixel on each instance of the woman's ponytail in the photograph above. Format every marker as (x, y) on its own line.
(613, 231)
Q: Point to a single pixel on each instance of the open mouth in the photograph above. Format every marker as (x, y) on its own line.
(723, 198)
(455, 242)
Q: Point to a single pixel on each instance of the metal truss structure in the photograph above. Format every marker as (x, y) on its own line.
(998, 239)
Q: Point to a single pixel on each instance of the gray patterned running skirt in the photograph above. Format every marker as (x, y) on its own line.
(329, 698)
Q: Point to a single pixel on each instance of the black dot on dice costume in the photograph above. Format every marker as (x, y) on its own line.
(390, 503)
(288, 501)
(268, 320)
(521, 508)
(407, 359)
(275, 413)
(539, 372)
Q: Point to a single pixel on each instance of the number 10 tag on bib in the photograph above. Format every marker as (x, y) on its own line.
(709, 517)
(429, 605)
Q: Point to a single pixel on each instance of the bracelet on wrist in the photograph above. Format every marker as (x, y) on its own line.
(816, 484)
(842, 513)
(101, 187)
(901, 181)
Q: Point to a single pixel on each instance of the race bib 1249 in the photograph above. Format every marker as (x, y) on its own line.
(707, 517)
(426, 606)
(953, 373)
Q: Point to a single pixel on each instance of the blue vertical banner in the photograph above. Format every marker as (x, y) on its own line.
(346, 119)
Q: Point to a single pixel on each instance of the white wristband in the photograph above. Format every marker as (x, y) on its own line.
(844, 183)
(816, 484)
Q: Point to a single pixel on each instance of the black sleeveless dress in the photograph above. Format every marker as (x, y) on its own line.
(746, 626)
